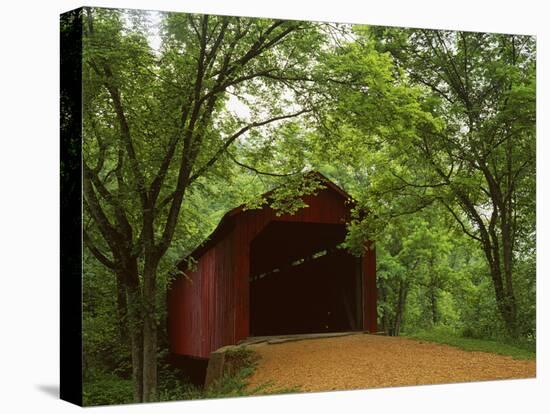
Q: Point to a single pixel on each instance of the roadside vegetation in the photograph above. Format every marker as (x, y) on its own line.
(110, 389)
(516, 349)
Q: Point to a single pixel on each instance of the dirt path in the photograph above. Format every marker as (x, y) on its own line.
(369, 361)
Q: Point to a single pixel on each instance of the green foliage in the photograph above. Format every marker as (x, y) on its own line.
(107, 388)
(104, 348)
(431, 132)
(431, 122)
(288, 199)
(102, 388)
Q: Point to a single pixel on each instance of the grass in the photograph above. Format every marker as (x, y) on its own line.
(447, 337)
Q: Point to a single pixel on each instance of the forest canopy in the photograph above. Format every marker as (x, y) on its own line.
(186, 116)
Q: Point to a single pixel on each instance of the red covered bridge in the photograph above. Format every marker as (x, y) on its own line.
(262, 274)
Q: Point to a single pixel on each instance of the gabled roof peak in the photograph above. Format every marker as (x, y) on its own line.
(224, 223)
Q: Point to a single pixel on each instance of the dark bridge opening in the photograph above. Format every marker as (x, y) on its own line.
(301, 282)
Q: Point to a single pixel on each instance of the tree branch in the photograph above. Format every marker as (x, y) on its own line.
(248, 167)
(109, 198)
(236, 135)
(409, 184)
(95, 251)
(459, 221)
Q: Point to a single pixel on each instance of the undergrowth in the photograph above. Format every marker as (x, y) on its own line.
(236, 384)
(103, 388)
(501, 346)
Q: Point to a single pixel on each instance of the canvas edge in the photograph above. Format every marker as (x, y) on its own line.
(71, 207)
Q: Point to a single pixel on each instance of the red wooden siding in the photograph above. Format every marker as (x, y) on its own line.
(213, 310)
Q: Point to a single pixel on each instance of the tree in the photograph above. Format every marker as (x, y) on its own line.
(155, 122)
(459, 131)
(412, 257)
(483, 159)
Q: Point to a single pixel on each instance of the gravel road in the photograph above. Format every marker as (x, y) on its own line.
(370, 361)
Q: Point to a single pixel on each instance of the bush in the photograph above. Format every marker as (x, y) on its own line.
(106, 389)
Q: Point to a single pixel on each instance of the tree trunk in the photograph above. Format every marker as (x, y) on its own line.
(122, 307)
(433, 292)
(149, 331)
(433, 303)
(383, 296)
(130, 327)
(506, 301)
(142, 327)
(510, 298)
(135, 326)
(136, 340)
(400, 307)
